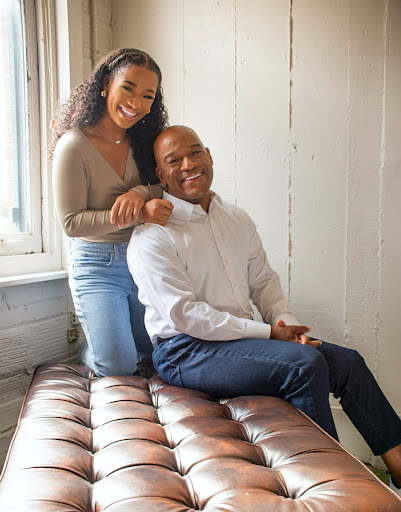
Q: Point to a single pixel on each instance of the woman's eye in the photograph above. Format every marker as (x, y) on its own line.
(149, 97)
(127, 88)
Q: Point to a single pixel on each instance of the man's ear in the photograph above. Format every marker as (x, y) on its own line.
(208, 152)
(160, 175)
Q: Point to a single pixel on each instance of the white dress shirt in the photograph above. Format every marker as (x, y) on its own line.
(198, 274)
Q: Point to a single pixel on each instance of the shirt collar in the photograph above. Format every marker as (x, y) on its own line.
(183, 209)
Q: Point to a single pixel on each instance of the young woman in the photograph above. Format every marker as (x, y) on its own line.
(104, 183)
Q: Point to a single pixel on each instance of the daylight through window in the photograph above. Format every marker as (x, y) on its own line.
(20, 230)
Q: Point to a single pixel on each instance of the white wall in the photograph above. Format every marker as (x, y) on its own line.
(299, 103)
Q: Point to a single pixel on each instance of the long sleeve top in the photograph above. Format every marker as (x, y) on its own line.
(198, 274)
(85, 187)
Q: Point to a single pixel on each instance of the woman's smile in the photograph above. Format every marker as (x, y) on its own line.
(128, 112)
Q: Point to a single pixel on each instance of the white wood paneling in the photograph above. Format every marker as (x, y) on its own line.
(209, 84)
(262, 122)
(366, 89)
(96, 32)
(87, 30)
(389, 321)
(299, 103)
(318, 162)
(157, 28)
(101, 31)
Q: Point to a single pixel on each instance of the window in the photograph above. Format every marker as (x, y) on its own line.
(29, 241)
(19, 220)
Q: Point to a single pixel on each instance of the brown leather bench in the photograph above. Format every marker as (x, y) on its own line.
(120, 444)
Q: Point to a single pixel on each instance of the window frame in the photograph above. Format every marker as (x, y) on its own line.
(49, 256)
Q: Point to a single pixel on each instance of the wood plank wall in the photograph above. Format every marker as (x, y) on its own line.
(299, 103)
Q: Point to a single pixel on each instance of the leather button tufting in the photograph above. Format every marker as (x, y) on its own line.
(119, 444)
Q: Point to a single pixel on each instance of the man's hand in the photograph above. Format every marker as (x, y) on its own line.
(157, 211)
(126, 208)
(293, 333)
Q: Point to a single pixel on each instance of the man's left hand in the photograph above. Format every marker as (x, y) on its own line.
(302, 338)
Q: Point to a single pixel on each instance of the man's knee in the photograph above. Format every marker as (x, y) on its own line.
(308, 376)
(308, 366)
(312, 360)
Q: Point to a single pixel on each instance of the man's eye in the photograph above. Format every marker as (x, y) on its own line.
(172, 161)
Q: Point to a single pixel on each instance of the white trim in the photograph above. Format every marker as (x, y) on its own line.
(69, 46)
(50, 259)
(29, 166)
(48, 95)
(33, 127)
(29, 263)
(32, 278)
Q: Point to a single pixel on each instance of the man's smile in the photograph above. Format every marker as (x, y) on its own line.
(193, 177)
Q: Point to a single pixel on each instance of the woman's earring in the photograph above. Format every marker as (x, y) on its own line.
(103, 93)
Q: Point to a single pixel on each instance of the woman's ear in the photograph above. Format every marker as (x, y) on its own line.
(106, 82)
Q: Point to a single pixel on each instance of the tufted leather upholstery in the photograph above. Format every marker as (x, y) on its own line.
(120, 444)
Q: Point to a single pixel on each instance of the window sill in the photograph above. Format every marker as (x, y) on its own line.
(32, 278)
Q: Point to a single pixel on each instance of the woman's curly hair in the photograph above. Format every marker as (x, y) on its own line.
(86, 106)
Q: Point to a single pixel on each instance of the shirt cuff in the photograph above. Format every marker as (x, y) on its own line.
(255, 329)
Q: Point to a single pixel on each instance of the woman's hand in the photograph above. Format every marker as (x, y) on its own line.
(126, 208)
(157, 211)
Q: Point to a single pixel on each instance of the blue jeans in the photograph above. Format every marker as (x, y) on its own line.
(106, 302)
(300, 374)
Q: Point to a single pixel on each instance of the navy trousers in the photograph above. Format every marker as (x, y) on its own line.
(300, 374)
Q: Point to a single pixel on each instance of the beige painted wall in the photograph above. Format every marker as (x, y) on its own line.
(299, 103)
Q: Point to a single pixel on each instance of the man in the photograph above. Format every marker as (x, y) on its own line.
(197, 275)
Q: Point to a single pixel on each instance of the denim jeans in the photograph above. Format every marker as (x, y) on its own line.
(106, 302)
(300, 374)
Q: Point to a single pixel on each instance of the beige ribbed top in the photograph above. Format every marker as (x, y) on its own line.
(85, 187)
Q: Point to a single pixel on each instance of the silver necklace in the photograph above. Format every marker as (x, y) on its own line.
(108, 138)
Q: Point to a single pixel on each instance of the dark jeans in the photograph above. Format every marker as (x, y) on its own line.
(300, 374)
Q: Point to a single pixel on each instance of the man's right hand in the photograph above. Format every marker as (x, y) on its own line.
(157, 211)
(293, 333)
